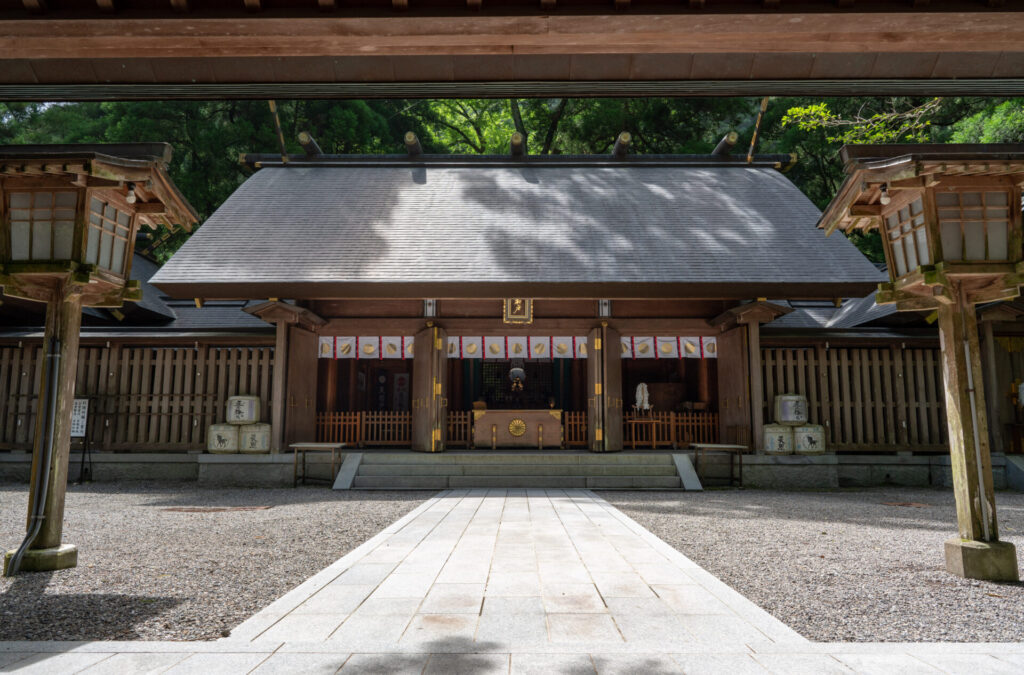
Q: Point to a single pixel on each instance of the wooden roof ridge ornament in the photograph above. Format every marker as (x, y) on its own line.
(950, 221)
(69, 217)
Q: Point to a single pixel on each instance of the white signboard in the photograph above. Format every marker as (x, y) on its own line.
(79, 417)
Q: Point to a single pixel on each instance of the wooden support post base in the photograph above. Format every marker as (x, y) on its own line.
(45, 559)
(985, 560)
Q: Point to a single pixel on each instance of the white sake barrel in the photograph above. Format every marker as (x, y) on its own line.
(254, 439)
(243, 410)
(809, 439)
(778, 439)
(791, 409)
(222, 439)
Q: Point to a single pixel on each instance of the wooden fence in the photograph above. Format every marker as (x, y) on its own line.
(142, 398)
(873, 399)
(668, 429)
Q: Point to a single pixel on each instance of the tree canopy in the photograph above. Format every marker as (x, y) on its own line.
(208, 136)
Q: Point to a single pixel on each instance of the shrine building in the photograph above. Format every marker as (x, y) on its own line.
(595, 302)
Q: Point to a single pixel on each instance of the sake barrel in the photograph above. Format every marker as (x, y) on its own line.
(243, 410)
(254, 439)
(222, 439)
(809, 439)
(778, 439)
(791, 409)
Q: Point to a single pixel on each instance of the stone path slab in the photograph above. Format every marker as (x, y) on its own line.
(511, 581)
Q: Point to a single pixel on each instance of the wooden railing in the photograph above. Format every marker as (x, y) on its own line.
(460, 429)
(574, 429)
(338, 427)
(657, 430)
(668, 429)
(386, 428)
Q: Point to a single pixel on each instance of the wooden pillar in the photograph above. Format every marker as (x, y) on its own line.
(331, 386)
(595, 396)
(63, 321)
(733, 393)
(992, 390)
(300, 394)
(966, 420)
(278, 393)
(430, 390)
(610, 357)
(756, 389)
(703, 380)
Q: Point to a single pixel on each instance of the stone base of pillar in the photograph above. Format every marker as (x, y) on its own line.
(985, 560)
(45, 559)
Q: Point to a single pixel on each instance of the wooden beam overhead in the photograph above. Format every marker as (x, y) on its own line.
(153, 208)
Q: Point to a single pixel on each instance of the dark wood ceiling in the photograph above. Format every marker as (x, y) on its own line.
(110, 49)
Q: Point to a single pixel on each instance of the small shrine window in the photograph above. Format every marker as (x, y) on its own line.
(42, 225)
(974, 225)
(908, 237)
(108, 236)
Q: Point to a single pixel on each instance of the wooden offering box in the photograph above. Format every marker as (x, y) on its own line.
(517, 428)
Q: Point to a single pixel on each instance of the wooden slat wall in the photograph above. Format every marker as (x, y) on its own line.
(144, 399)
(863, 396)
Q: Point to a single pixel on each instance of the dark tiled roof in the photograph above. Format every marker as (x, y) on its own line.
(473, 225)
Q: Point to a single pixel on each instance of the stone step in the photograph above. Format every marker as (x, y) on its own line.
(515, 469)
(492, 457)
(441, 482)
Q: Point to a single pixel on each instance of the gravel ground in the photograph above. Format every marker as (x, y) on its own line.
(842, 566)
(148, 573)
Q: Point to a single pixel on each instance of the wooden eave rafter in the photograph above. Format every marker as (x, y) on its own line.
(275, 311)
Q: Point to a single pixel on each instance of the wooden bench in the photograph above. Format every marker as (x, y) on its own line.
(301, 449)
(735, 453)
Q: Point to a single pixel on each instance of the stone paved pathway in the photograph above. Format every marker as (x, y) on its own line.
(511, 581)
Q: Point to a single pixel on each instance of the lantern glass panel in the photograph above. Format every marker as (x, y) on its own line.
(107, 239)
(41, 231)
(908, 237)
(42, 224)
(19, 239)
(974, 225)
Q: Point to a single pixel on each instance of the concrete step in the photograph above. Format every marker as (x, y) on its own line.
(492, 457)
(441, 482)
(515, 469)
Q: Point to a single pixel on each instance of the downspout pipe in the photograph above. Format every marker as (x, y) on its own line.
(41, 485)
